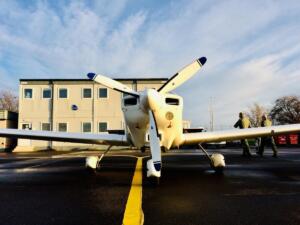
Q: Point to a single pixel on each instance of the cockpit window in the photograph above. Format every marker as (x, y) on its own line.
(130, 101)
(172, 101)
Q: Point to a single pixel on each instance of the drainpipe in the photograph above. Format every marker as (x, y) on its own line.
(51, 110)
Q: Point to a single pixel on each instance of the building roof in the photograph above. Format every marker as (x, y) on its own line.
(118, 79)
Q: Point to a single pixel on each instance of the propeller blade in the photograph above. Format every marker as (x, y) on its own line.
(154, 164)
(113, 84)
(182, 76)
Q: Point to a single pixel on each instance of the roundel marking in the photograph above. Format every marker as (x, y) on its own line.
(169, 115)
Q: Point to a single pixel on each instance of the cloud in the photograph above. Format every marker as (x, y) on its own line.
(252, 47)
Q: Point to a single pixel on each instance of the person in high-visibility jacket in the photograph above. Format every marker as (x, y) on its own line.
(244, 123)
(266, 122)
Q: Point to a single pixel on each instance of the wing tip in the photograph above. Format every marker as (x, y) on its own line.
(202, 61)
(91, 76)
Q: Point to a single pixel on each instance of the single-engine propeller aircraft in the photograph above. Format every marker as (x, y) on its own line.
(155, 115)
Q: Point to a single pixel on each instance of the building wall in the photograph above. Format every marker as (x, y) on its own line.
(38, 110)
(8, 120)
(3, 141)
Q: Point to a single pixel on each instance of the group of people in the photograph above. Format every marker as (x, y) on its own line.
(244, 123)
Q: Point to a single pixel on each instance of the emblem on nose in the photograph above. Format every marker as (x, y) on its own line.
(169, 115)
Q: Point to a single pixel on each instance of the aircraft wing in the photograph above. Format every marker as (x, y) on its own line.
(105, 139)
(237, 134)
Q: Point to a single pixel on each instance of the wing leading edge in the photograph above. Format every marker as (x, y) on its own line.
(104, 139)
(236, 134)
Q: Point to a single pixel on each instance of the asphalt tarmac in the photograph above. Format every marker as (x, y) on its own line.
(56, 188)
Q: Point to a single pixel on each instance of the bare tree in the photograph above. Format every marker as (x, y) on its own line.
(255, 113)
(286, 110)
(9, 101)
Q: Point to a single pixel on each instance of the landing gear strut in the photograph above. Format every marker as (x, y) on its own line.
(217, 161)
(93, 162)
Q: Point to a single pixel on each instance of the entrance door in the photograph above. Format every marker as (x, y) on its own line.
(25, 142)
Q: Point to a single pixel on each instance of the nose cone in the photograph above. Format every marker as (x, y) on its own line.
(151, 100)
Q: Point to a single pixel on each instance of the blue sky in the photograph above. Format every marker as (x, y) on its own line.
(252, 47)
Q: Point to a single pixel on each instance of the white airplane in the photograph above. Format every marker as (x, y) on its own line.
(155, 115)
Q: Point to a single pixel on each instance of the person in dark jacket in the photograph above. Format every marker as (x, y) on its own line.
(244, 123)
(266, 122)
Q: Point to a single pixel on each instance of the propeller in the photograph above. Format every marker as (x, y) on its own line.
(113, 84)
(182, 76)
(154, 164)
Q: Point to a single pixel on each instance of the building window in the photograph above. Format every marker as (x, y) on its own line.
(47, 93)
(63, 93)
(27, 93)
(86, 127)
(26, 126)
(87, 93)
(62, 127)
(102, 92)
(46, 126)
(103, 127)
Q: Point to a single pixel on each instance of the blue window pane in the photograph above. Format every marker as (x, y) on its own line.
(47, 93)
(86, 127)
(102, 127)
(62, 127)
(102, 92)
(87, 93)
(63, 93)
(28, 93)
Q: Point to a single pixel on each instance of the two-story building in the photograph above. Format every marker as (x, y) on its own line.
(72, 105)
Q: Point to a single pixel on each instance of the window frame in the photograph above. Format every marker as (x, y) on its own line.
(44, 89)
(82, 126)
(24, 96)
(45, 123)
(59, 93)
(107, 94)
(82, 94)
(67, 126)
(106, 127)
(29, 125)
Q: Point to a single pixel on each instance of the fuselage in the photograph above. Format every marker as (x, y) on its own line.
(167, 110)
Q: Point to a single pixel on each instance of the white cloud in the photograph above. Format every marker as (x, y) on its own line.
(252, 47)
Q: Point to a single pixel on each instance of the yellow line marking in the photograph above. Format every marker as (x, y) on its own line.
(133, 212)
